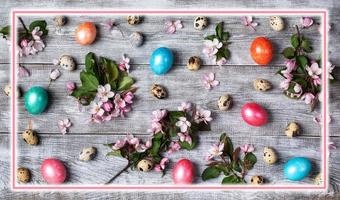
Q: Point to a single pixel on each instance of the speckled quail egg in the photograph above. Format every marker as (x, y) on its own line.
(276, 23)
(8, 91)
(23, 175)
(269, 156)
(144, 165)
(30, 137)
(194, 63)
(67, 62)
(158, 91)
(133, 19)
(318, 179)
(60, 20)
(136, 39)
(225, 102)
(257, 180)
(87, 154)
(292, 130)
(262, 85)
(200, 23)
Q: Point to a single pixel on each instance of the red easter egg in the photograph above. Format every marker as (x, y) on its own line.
(254, 114)
(86, 33)
(183, 172)
(53, 171)
(261, 50)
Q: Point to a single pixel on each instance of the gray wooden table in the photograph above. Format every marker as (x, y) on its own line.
(235, 78)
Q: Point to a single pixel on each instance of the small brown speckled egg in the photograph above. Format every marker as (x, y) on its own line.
(262, 85)
(194, 63)
(23, 175)
(133, 19)
(158, 91)
(269, 156)
(276, 23)
(87, 154)
(257, 180)
(30, 137)
(144, 165)
(224, 102)
(292, 130)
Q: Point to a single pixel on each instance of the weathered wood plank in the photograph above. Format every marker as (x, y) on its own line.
(153, 30)
(87, 172)
(182, 85)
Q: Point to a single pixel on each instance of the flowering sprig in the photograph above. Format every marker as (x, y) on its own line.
(216, 46)
(233, 163)
(171, 131)
(302, 74)
(106, 87)
(30, 40)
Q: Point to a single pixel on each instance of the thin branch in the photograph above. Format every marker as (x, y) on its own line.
(119, 173)
(23, 24)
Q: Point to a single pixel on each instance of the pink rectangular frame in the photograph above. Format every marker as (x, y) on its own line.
(321, 12)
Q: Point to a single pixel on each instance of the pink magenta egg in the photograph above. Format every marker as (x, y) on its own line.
(254, 114)
(183, 172)
(53, 171)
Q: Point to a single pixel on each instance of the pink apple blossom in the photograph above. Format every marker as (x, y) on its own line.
(128, 97)
(308, 98)
(209, 81)
(124, 64)
(330, 68)
(96, 108)
(248, 22)
(221, 61)
(171, 27)
(185, 107)
(202, 115)
(174, 146)
(161, 166)
(70, 86)
(306, 22)
(63, 125)
(216, 150)
(107, 106)
(185, 137)
(104, 92)
(54, 74)
(158, 115)
(318, 119)
(247, 148)
(23, 72)
(119, 144)
(183, 124)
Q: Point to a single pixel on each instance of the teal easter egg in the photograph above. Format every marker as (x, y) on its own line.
(161, 60)
(297, 168)
(36, 100)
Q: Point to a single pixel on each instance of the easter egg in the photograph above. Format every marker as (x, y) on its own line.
(297, 168)
(53, 171)
(183, 172)
(254, 114)
(36, 100)
(161, 60)
(261, 50)
(86, 33)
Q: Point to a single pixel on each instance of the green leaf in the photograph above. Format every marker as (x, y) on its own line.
(117, 153)
(187, 146)
(90, 63)
(156, 144)
(5, 31)
(225, 36)
(210, 172)
(294, 40)
(306, 46)
(226, 53)
(125, 83)
(173, 131)
(219, 30)
(41, 23)
(210, 37)
(228, 145)
(235, 166)
(289, 52)
(110, 68)
(231, 180)
(82, 92)
(89, 81)
(174, 115)
(301, 61)
(249, 161)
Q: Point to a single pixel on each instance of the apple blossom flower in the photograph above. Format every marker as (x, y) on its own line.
(308, 98)
(104, 92)
(330, 68)
(54, 74)
(211, 47)
(158, 115)
(285, 84)
(297, 89)
(107, 106)
(38, 45)
(314, 71)
(25, 47)
(96, 108)
(63, 125)
(202, 115)
(290, 66)
(119, 144)
(318, 119)
(161, 166)
(221, 61)
(174, 146)
(185, 137)
(248, 22)
(247, 148)
(37, 33)
(143, 147)
(56, 62)
(124, 64)
(185, 107)
(23, 72)
(171, 27)
(128, 97)
(216, 150)
(70, 86)
(306, 22)
(156, 127)
(209, 81)
(183, 124)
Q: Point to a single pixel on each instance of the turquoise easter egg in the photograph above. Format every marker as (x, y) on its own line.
(297, 168)
(161, 60)
(36, 100)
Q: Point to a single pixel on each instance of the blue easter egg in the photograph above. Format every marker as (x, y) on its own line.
(36, 100)
(297, 168)
(161, 60)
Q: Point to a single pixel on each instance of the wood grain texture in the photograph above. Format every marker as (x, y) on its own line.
(63, 42)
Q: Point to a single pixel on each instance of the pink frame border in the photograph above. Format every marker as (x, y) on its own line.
(14, 186)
